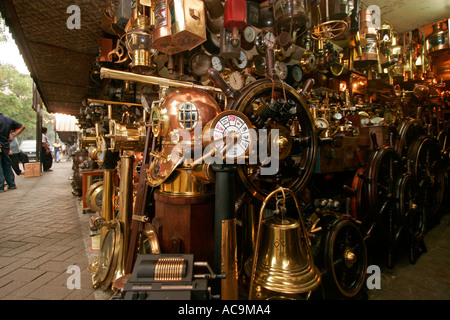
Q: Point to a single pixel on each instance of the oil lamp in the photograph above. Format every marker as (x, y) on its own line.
(139, 44)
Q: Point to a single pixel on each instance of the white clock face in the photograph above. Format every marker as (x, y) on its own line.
(249, 34)
(217, 63)
(321, 123)
(337, 116)
(269, 39)
(242, 61)
(237, 130)
(236, 80)
(281, 70)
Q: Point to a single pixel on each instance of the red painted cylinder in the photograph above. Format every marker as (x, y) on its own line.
(235, 14)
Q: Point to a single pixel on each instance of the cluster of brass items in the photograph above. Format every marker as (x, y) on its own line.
(180, 99)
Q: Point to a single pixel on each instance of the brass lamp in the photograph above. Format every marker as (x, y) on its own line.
(139, 45)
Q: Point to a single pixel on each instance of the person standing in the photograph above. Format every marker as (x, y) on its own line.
(6, 126)
(57, 147)
(46, 153)
(17, 156)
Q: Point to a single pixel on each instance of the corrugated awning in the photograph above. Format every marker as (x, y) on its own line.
(59, 58)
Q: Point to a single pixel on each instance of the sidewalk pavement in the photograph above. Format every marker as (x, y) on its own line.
(42, 233)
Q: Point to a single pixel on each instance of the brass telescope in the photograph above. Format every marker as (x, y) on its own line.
(134, 77)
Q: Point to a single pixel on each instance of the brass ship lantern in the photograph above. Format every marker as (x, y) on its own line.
(139, 43)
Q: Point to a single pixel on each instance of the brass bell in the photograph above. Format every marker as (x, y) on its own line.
(283, 261)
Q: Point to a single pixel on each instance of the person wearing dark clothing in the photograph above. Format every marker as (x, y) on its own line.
(17, 156)
(7, 125)
(46, 154)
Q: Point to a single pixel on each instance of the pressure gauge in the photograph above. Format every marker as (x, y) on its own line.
(200, 63)
(281, 70)
(249, 79)
(242, 61)
(249, 34)
(259, 65)
(217, 63)
(265, 39)
(337, 116)
(236, 80)
(321, 123)
(231, 133)
(295, 74)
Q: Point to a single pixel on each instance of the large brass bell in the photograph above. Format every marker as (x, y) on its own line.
(283, 261)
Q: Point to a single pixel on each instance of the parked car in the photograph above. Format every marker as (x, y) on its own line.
(29, 148)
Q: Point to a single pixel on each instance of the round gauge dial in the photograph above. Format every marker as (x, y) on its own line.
(236, 80)
(321, 123)
(265, 39)
(249, 34)
(217, 63)
(269, 39)
(231, 133)
(281, 70)
(242, 61)
(259, 65)
(200, 63)
(337, 116)
(249, 79)
(296, 73)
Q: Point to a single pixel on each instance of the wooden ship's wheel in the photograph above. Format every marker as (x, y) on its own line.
(297, 152)
(426, 165)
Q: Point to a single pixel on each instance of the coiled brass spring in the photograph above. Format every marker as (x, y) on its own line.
(169, 269)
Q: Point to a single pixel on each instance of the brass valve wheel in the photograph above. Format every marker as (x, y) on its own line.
(329, 30)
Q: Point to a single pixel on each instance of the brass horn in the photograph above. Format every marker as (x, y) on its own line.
(283, 261)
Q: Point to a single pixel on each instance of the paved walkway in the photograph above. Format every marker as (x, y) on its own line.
(43, 232)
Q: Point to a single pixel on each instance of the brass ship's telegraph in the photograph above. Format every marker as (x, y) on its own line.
(283, 261)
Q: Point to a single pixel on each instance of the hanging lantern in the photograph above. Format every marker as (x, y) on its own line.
(139, 45)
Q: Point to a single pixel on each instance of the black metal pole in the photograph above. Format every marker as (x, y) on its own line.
(224, 210)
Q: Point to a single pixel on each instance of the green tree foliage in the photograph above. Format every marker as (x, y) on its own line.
(16, 99)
